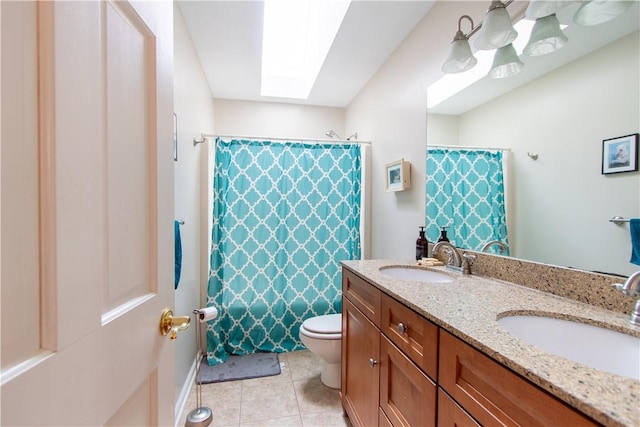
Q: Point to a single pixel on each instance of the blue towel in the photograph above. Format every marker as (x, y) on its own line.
(178, 265)
(634, 228)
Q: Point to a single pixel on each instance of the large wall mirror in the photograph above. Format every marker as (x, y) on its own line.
(559, 205)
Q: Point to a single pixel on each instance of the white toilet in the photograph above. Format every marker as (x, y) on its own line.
(322, 335)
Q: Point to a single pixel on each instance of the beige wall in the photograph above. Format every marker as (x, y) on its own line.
(391, 111)
(268, 119)
(193, 105)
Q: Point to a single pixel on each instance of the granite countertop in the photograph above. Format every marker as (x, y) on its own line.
(468, 308)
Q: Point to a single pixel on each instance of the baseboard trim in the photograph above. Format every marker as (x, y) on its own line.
(184, 392)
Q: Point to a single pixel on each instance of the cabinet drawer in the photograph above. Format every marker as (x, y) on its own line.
(362, 294)
(407, 395)
(494, 395)
(412, 333)
(452, 415)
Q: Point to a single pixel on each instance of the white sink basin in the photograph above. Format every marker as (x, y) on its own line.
(416, 275)
(599, 348)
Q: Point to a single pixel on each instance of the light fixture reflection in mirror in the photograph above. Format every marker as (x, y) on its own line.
(597, 12)
(546, 37)
(505, 63)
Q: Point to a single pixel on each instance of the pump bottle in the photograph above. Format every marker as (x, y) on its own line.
(422, 245)
(443, 235)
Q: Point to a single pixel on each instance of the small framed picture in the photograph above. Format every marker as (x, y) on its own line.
(175, 137)
(620, 154)
(398, 175)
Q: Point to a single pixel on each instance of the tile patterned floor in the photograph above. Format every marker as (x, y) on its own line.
(296, 397)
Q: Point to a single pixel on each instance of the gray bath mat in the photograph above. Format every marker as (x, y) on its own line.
(240, 368)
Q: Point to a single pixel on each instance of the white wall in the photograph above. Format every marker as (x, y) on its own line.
(194, 107)
(561, 202)
(268, 119)
(391, 112)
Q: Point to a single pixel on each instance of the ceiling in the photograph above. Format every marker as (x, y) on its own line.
(228, 39)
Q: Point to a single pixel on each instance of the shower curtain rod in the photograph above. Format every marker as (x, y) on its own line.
(466, 147)
(204, 136)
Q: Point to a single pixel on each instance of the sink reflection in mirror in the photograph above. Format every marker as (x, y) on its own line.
(597, 347)
(417, 275)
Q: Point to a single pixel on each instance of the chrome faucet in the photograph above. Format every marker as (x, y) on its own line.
(467, 262)
(632, 287)
(498, 243)
(450, 250)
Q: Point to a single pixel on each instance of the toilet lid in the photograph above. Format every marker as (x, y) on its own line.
(327, 324)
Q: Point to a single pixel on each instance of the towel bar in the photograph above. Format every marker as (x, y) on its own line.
(618, 220)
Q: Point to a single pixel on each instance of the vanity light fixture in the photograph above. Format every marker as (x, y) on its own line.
(460, 56)
(596, 12)
(541, 8)
(497, 30)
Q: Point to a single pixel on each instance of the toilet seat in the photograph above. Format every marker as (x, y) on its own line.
(326, 327)
(327, 324)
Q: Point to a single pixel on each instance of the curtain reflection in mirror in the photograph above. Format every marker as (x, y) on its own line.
(465, 191)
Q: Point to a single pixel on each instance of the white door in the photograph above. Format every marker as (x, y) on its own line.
(87, 213)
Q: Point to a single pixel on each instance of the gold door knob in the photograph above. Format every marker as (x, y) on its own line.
(170, 324)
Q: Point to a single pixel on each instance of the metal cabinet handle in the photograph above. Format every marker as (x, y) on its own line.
(402, 328)
(373, 362)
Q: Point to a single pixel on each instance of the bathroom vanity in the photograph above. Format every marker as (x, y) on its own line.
(425, 354)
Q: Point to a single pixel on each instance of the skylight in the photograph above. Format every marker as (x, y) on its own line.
(297, 35)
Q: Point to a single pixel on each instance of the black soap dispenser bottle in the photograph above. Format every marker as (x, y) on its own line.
(443, 235)
(422, 245)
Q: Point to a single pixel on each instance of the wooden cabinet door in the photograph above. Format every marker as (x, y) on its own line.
(360, 367)
(407, 395)
(452, 415)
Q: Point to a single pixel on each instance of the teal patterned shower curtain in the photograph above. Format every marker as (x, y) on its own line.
(465, 191)
(284, 215)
